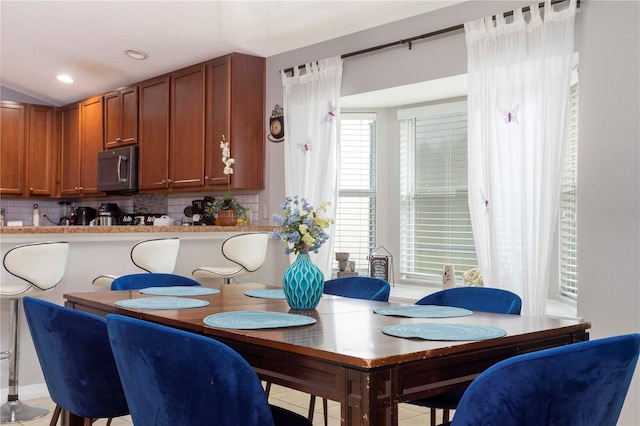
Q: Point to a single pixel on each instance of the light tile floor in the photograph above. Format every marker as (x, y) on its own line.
(298, 402)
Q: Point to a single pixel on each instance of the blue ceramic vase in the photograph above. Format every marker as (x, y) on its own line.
(303, 283)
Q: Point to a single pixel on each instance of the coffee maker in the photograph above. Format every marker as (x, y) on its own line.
(109, 214)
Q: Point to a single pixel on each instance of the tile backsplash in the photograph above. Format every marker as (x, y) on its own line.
(172, 205)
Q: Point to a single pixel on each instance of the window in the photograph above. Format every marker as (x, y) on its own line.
(568, 203)
(356, 210)
(436, 226)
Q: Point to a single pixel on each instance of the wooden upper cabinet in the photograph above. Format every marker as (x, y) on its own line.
(153, 164)
(218, 120)
(82, 140)
(121, 117)
(187, 127)
(70, 150)
(91, 137)
(12, 148)
(235, 108)
(28, 148)
(42, 150)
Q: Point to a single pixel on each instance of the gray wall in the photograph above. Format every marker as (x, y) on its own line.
(608, 172)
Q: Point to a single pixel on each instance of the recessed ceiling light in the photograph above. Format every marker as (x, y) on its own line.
(65, 78)
(135, 54)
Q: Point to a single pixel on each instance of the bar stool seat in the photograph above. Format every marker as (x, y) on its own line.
(40, 267)
(247, 252)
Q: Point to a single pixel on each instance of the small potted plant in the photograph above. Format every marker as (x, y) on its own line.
(228, 208)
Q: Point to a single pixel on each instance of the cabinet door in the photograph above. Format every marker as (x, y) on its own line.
(153, 168)
(70, 147)
(248, 97)
(236, 109)
(41, 150)
(91, 138)
(12, 148)
(121, 117)
(112, 120)
(218, 121)
(186, 148)
(129, 115)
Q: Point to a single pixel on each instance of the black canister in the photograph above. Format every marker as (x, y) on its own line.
(84, 216)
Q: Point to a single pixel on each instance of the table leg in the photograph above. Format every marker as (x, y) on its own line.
(369, 400)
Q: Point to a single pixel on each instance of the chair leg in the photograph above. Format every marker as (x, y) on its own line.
(432, 412)
(325, 410)
(312, 406)
(56, 415)
(14, 410)
(267, 389)
(445, 415)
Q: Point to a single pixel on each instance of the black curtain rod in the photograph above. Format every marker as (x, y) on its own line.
(410, 41)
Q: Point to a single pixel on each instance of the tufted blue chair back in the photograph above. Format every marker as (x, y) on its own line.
(75, 356)
(483, 299)
(582, 384)
(358, 287)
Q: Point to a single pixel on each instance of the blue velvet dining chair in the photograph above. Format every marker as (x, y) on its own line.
(484, 299)
(582, 384)
(140, 281)
(173, 377)
(78, 366)
(359, 287)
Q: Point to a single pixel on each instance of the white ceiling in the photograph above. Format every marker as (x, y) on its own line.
(87, 39)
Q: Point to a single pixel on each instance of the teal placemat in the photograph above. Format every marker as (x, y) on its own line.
(251, 320)
(161, 303)
(450, 332)
(266, 294)
(179, 291)
(424, 311)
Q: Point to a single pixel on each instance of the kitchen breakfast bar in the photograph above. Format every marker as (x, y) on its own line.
(99, 250)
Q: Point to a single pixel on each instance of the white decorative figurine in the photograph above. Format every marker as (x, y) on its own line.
(448, 277)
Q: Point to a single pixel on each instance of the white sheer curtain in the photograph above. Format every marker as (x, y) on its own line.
(519, 75)
(312, 116)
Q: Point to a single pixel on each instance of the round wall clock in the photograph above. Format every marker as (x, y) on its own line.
(276, 125)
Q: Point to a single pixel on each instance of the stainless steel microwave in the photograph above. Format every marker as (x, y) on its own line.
(118, 170)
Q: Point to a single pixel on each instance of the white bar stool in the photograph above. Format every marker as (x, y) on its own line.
(157, 256)
(40, 267)
(248, 253)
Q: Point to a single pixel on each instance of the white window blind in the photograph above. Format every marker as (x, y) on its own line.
(568, 203)
(436, 226)
(355, 228)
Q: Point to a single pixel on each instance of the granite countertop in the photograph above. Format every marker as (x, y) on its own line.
(127, 229)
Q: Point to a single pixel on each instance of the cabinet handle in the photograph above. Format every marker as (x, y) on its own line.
(215, 179)
(80, 188)
(185, 180)
(118, 140)
(31, 189)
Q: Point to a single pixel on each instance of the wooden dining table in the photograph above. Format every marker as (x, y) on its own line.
(344, 356)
